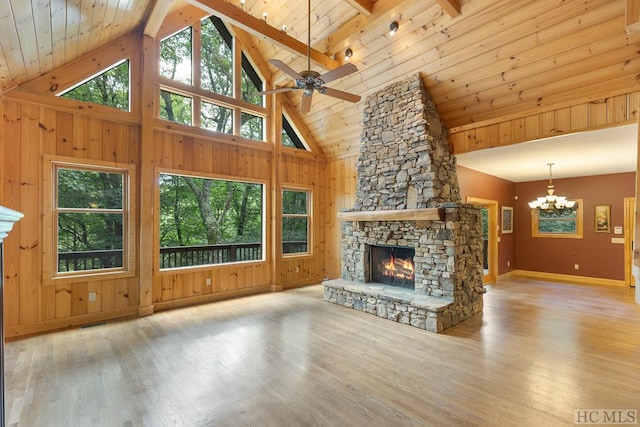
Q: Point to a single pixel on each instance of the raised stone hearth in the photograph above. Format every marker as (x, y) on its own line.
(408, 196)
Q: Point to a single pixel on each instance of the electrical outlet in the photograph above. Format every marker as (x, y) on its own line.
(576, 266)
(508, 263)
(92, 296)
(208, 281)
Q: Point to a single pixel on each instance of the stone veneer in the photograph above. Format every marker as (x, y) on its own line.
(405, 163)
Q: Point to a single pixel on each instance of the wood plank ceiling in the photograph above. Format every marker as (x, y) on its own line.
(496, 58)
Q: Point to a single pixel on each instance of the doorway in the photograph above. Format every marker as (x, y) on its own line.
(629, 234)
(490, 234)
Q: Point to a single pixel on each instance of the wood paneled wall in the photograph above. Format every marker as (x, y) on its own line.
(36, 125)
(340, 194)
(29, 132)
(612, 111)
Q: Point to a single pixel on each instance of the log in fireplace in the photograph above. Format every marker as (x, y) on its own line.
(393, 265)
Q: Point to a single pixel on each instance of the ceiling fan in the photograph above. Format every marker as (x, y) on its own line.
(310, 81)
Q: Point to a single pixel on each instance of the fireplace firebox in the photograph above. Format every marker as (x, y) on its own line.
(393, 265)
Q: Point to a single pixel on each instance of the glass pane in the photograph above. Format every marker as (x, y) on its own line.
(82, 189)
(216, 64)
(90, 241)
(294, 202)
(294, 235)
(252, 127)
(289, 136)
(175, 57)
(110, 88)
(175, 108)
(251, 83)
(217, 118)
(560, 226)
(286, 140)
(209, 221)
(558, 222)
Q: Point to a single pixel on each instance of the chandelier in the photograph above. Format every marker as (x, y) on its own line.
(551, 202)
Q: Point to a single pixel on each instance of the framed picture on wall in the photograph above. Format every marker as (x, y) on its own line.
(507, 219)
(602, 217)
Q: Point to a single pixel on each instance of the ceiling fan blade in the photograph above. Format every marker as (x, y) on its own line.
(280, 90)
(339, 94)
(285, 68)
(341, 71)
(305, 105)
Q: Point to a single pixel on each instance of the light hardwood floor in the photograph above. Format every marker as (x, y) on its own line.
(538, 352)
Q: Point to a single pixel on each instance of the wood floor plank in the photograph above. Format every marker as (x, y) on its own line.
(539, 351)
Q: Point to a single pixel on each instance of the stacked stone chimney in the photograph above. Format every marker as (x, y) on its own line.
(405, 164)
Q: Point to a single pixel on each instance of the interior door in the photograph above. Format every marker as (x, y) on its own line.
(490, 232)
(629, 233)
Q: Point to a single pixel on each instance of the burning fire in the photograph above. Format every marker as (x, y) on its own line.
(398, 268)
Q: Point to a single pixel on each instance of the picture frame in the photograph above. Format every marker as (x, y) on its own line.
(507, 219)
(602, 219)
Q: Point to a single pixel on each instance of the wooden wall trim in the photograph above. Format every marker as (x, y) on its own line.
(73, 106)
(68, 322)
(569, 278)
(612, 111)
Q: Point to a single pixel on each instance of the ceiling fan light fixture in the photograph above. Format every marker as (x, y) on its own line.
(348, 54)
(393, 28)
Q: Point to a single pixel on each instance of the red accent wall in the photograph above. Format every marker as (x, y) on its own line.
(477, 184)
(595, 254)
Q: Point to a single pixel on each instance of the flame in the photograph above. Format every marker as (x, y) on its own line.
(389, 268)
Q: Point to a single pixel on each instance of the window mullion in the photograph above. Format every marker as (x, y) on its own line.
(237, 86)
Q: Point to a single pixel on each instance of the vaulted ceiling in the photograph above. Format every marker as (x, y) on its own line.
(495, 58)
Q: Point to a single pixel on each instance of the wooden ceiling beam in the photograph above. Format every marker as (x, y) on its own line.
(632, 16)
(260, 28)
(156, 17)
(452, 7)
(363, 6)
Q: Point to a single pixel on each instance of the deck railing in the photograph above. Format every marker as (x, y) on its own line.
(176, 256)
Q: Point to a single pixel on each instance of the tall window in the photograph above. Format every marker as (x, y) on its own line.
(295, 221)
(110, 88)
(209, 221)
(90, 218)
(213, 104)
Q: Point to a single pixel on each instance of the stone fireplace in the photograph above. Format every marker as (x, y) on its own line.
(408, 204)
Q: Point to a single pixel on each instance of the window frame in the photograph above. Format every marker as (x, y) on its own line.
(578, 234)
(62, 93)
(308, 216)
(193, 174)
(51, 274)
(288, 128)
(199, 94)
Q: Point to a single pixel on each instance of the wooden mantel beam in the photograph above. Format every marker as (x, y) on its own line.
(363, 6)
(452, 7)
(260, 28)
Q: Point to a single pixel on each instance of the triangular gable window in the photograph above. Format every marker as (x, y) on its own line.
(110, 88)
(289, 136)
